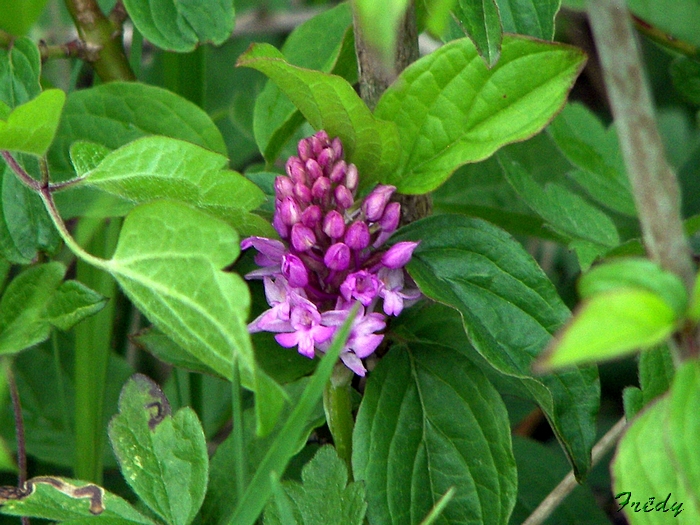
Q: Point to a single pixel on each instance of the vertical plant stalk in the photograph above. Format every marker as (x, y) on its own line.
(337, 405)
(104, 35)
(375, 78)
(19, 429)
(237, 434)
(656, 190)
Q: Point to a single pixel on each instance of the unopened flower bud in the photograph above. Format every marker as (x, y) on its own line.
(294, 271)
(303, 237)
(289, 211)
(399, 254)
(284, 187)
(343, 197)
(313, 169)
(337, 257)
(303, 193)
(295, 170)
(338, 172)
(374, 204)
(321, 188)
(390, 220)
(334, 225)
(351, 177)
(337, 148)
(357, 236)
(311, 216)
(280, 227)
(316, 145)
(304, 150)
(326, 158)
(322, 136)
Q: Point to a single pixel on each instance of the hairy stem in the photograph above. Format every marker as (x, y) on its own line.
(552, 501)
(102, 35)
(656, 190)
(19, 423)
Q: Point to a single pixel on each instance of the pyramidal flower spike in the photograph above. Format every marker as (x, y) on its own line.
(331, 256)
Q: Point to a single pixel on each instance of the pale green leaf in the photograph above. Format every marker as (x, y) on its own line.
(18, 17)
(30, 127)
(86, 156)
(329, 102)
(610, 325)
(451, 109)
(181, 25)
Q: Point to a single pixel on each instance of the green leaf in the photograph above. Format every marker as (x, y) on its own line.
(325, 495)
(637, 273)
(181, 25)
(595, 150)
(677, 18)
(329, 102)
(429, 421)
(86, 156)
(656, 372)
(153, 168)
(37, 299)
(645, 468)
(495, 285)
(18, 17)
(632, 401)
(588, 230)
(117, 113)
(60, 499)
(286, 443)
(31, 127)
(163, 456)
(379, 23)
(434, 15)
(168, 261)
(220, 501)
(481, 22)
(319, 44)
(610, 325)
(25, 226)
(451, 109)
(529, 18)
(20, 67)
(161, 346)
(685, 73)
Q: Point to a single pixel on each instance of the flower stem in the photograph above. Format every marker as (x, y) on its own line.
(337, 404)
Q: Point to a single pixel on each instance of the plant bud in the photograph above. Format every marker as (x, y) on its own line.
(313, 169)
(304, 150)
(338, 172)
(284, 187)
(322, 136)
(357, 236)
(280, 227)
(399, 254)
(321, 188)
(337, 148)
(343, 197)
(295, 170)
(302, 193)
(334, 225)
(311, 216)
(326, 159)
(294, 271)
(316, 145)
(303, 238)
(390, 220)
(337, 257)
(289, 211)
(374, 204)
(351, 177)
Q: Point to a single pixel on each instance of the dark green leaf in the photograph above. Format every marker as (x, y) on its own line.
(61, 500)
(325, 495)
(163, 456)
(181, 25)
(20, 67)
(595, 150)
(429, 421)
(329, 102)
(632, 401)
(451, 109)
(153, 168)
(481, 22)
(31, 127)
(656, 372)
(529, 18)
(685, 73)
(316, 44)
(71, 303)
(495, 284)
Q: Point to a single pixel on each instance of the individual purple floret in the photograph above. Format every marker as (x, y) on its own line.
(330, 256)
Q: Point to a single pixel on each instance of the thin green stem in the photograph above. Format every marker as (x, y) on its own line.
(237, 434)
(337, 403)
(136, 51)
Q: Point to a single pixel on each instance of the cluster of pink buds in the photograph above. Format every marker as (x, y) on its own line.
(330, 256)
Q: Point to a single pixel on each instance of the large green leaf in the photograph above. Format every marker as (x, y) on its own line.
(163, 456)
(481, 22)
(37, 299)
(71, 501)
(31, 127)
(529, 18)
(181, 25)
(168, 261)
(18, 17)
(320, 43)
(645, 471)
(20, 67)
(153, 168)
(116, 113)
(510, 310)
(595, 150)
(451, 109)
(429, 421)
(324, 497)
(678, 18)
(329, 102)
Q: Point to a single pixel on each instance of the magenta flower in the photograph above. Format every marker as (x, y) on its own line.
(330, 256)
